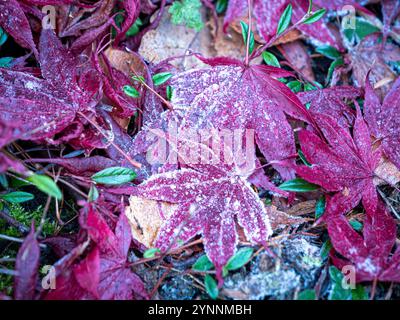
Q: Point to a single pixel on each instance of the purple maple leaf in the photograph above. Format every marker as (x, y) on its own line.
(104, 273)
(26, 266)
(383, 119)
(343, 164)
(211, 199)
(330, 101)
(15, 23)
(267, 14)
(45, 107)
(370, 254)
(236, 97)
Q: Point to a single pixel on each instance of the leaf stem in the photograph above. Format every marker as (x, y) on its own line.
(248, 33)
(127, 157)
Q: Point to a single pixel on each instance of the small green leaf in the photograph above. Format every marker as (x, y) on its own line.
(325, 249)
(245, 30)
(309, 87)
(356, 225)
(339, 293)
(359, 293)
(202, 264)
(334, 64)
(160, 78)
(309, 6)
(295, 86)
(5, 62)
(114, 176)
(3, 181)
(3, 36)
(284, 20)
(17, 196)
(335, 274)
(303, 158)
(239, 259)
(93, 193)
(169, 91)
(320, 207)
(270, 59)
(150, 253)
(328, 51)
(315, 16)
(221, 6)
(131, 91)
(139, 79)
(211, 286)
(134, 29)
(46, 185)
(298, 185)
(308, 294)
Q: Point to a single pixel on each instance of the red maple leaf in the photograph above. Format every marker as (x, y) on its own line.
(330, 101)
(232, 96)
(267, 14)
(26, 266)
(370, 254)
(45, 107)
(383, 119)
(210, 201)
(104, 273)
(341, 164)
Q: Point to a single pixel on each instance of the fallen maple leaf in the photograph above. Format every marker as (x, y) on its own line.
(209, 200)
(26, 266)
(383, 120)
(15, 23)
(104, 273)
(371, 254)
(45, 107)
(330, 101)
(232, 96)
(267, 14)
(346, 165)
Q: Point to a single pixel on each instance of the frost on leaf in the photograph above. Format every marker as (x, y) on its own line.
(383, 119)
(330, 101)
(210, 201)
(104, 273)
(370, 254)
(346, 165)
(267, 14)
(231, 97)
(44, 107)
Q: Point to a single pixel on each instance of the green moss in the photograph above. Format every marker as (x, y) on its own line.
(25, 217)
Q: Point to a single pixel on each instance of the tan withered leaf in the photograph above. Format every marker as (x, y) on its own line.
(146, 216)
(169, 40)
(386, 173)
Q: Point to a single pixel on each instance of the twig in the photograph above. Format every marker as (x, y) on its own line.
(127, 157)
(15, 223)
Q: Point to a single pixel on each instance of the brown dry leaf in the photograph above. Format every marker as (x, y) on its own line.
(169, 40)
(145, 217)
(302, 208)
(295, 52)
(280, 219)
(124, 60)
(227, 44)
(386, 173)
